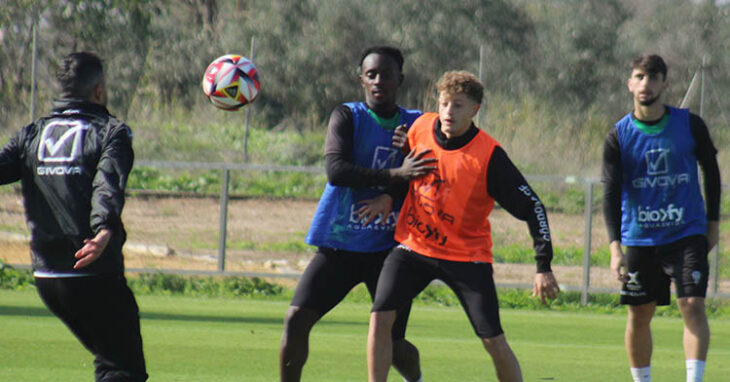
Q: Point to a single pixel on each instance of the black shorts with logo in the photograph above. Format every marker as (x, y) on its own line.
(406, 273)
(651, 270)
(332, 273)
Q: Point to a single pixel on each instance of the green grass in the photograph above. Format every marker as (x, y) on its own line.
(235, 339)
(269, 184)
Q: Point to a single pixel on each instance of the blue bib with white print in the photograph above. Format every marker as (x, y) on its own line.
(661, 200)
(335, 223)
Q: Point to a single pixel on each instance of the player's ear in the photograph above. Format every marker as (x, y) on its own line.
(98, 95)
(359, 76)
(475, 109)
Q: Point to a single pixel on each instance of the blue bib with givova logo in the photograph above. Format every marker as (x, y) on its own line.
(660, 193)
(335, 223)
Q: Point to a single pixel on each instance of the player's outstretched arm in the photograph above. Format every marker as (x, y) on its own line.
(10, 159)
(509, 188)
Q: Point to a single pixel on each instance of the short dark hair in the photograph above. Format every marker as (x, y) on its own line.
(650, 63)
(385, 50)
(456, 82)
(79, 73)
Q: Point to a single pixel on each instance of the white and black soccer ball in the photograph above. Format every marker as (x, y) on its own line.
(231, 82)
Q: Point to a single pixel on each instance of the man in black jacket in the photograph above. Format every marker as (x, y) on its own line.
(73, 167)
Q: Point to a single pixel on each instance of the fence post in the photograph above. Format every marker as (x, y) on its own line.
(34, 64)
(588, 215)
(482, 79)
(223, 228)
(248, 108)
(715, 269)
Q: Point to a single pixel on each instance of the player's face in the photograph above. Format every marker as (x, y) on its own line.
(380, 77)
(456, 112)
(646, 87)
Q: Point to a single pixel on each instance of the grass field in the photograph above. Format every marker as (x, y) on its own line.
(207, 339)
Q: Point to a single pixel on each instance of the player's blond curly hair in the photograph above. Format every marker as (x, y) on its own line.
(461, 81)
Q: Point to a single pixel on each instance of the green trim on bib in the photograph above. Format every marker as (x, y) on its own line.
(387, 124)
(651, 129)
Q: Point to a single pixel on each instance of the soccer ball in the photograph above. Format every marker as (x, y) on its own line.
(231, 82)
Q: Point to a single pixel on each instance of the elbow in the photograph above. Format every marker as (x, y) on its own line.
(336, 179)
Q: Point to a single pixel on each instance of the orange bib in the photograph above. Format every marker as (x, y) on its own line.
(446, 213)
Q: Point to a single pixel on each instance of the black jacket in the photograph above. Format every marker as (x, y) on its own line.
(73, 167)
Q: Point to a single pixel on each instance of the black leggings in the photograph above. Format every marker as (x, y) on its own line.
(102, 313)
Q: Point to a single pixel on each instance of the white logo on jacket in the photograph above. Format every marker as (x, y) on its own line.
(61, 142)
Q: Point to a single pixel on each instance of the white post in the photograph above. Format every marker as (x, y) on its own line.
(223, 226)
(248, 108)
(703, 69)
(588, 217)
(482, 74)
(34, 65)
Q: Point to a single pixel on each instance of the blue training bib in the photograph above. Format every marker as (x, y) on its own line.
(335, 223)
(661, 200)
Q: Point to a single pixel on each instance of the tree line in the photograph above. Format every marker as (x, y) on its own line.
(569, 54)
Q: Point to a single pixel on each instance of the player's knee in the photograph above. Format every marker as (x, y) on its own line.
(299, 319)
(692, 308)
(691, 303)
(641, 315)
(496, 346)
(382, 322)
(402, 349)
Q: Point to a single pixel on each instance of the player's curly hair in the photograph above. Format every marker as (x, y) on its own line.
(461, 81)
(79, 73)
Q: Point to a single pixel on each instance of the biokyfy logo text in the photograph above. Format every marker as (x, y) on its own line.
(61, 143)
(660, 217)
(381, 223)
(657, 169)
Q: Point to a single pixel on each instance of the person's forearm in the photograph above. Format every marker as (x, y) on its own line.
(342, 173)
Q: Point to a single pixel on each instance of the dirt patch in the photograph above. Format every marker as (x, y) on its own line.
(182, 233)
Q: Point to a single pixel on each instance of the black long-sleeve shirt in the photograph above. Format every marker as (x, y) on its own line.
(612, 174)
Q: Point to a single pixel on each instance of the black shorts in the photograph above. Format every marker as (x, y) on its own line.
(651, 270)
(331, 275)
(406, 273)
(102, 312)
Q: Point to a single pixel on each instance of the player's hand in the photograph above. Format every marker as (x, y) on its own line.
(414, 165)
(545, 286)
(92, 249)
(400, 138)
(378, 207)
(618, 262)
